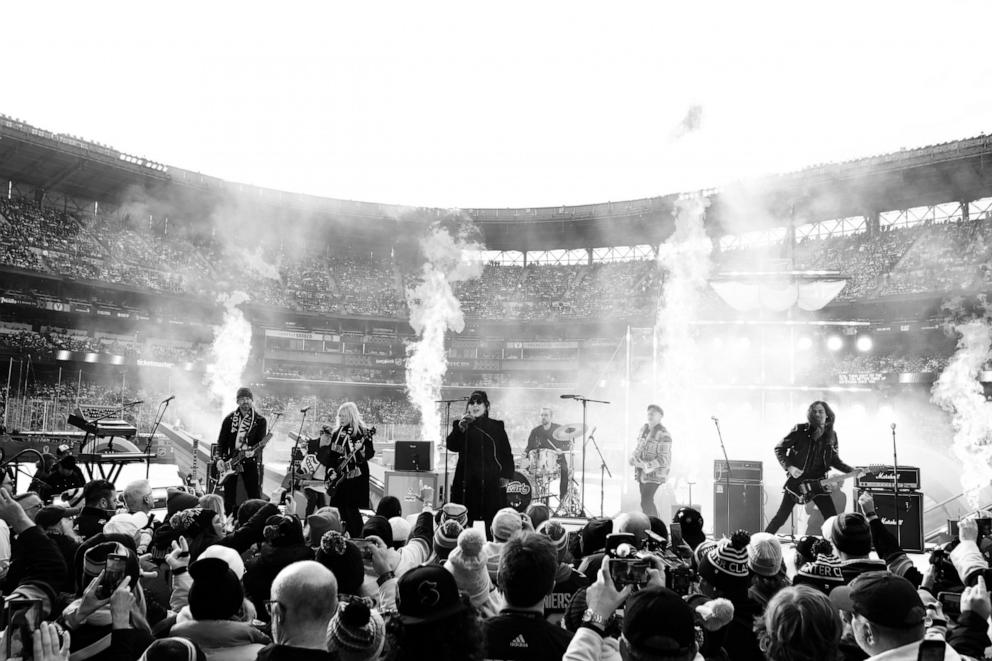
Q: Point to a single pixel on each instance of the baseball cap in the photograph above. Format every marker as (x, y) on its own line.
(659, 621)
(882, 598)
(427, 593)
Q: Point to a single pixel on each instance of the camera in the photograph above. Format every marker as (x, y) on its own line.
(628, 566)
(679, 576)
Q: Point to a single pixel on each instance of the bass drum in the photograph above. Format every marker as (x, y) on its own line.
(519, 491)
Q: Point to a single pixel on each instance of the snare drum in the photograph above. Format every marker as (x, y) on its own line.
(519, 491)
(543, 462)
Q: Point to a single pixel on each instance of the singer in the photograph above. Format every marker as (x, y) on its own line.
(806, 454)
(485, 461)
(345, 451)
(652, 458)
(240, 434)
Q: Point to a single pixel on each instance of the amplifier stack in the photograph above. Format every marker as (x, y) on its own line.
(740, 487)
(883, 483)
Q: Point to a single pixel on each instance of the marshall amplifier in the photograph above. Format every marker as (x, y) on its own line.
(910, 517)
(740, 471)
(879, 478)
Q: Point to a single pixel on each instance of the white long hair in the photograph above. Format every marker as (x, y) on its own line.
(356, 418)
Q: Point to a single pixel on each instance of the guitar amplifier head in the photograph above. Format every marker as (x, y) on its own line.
(413, 455)
(881, 477)
(740, 471)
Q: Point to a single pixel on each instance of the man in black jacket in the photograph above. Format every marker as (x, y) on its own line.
(98, 507)
(240, 434)
(807, 453)
(526, 576)
(485, 461)
(38, 566)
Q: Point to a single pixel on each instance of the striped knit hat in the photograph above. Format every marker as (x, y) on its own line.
(725, 564)
(356, 632)
(446, 537)
(824, 573)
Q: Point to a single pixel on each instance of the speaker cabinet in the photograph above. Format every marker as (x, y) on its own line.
(910, 517)
(413, 455)
(410, 488)
(745, 507)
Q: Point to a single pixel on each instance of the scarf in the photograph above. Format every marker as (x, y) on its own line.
(240, 426)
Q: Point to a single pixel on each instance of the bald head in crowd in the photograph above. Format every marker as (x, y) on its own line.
(306, 596)
(138, 496)
(636, 523)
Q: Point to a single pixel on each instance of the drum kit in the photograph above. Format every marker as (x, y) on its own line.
(537, 476)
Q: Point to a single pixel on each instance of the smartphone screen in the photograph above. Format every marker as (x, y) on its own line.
(675, 532)
(113, 574)
(22, 616)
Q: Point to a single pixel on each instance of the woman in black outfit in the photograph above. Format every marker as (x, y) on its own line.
(485, 461)
(346, 452)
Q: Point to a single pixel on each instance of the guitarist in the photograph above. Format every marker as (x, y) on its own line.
(346, 451)
(240, 432)
(807, 453)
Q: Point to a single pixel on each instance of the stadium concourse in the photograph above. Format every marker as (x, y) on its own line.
(149, 295)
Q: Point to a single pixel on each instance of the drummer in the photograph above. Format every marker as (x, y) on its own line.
(542, 438)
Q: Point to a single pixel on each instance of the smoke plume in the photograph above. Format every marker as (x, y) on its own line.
(229, 351)
(959, 392)
(685, 260)
(434, 309)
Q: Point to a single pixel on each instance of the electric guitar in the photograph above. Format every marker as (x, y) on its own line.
(233, 466)
(805, 490)
(337, 476)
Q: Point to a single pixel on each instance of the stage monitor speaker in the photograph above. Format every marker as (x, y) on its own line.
(745, 507)
(413, 456)
(409, 487)
(910, 517)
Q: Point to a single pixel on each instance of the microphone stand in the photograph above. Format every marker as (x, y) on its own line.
(294, 463)
(444, 435)
(895, 485)
(585, 401)
(727, 474)
(602, 468)
(148, 446)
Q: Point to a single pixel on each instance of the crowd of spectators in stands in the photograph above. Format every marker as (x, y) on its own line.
(175, 259)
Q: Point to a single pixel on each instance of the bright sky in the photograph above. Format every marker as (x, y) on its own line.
(508, 104)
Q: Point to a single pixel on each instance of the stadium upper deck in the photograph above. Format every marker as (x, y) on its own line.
(85, 172)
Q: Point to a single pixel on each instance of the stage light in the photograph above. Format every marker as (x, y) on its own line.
(835, 343)
(804, 343)
(864, 343)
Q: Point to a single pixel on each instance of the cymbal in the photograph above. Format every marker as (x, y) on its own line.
(568, 431)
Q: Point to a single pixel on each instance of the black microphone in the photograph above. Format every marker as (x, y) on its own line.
(714, 418)
(304, 410)
(893, 425)
(168, 399)
(135, 402)
(567, 396)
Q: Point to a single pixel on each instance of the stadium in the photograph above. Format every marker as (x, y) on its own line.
(332, 373)
(117, 288)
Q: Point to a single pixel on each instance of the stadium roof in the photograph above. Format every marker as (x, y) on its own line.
(953, 171)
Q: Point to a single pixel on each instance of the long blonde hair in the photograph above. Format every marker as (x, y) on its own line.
(356, 418)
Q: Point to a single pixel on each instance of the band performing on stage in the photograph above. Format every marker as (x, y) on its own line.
(334, 467)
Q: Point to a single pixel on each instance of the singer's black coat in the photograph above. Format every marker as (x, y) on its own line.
(484, 456)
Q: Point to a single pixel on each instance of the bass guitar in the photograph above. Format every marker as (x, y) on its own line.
(233, 466)
(336, 476)
(805, 490)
